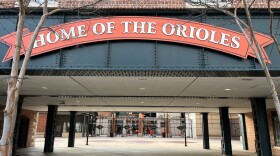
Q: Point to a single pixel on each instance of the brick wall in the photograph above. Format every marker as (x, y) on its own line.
(7, 3)
(214, 125)
(32, 129)
(126, 4)
(42, 122)
(150, 4)
(137, 4)
(275, 150)
(33, 120)
(261, 4)
(251, 132)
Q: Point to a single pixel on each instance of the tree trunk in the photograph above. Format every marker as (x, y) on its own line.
(251, 39)
(258, 53)
(10, 110)
(9, 119)
(15, 81)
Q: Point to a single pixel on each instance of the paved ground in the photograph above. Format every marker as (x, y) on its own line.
(132, 146)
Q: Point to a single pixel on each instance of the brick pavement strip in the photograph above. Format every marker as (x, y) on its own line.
(132, 146)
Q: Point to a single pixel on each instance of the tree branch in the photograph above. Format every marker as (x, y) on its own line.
(258, 51)
(271, 26)
(251, 4)
(31, 43)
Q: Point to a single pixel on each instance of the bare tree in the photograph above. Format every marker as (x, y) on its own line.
(247, 30)
(16, 77)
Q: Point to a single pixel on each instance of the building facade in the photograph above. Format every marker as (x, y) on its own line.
(116, 58)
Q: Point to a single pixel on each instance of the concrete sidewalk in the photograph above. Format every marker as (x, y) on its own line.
(132, 146)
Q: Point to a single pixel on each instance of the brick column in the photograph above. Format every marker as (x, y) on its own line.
(113, 126)
(140, 127)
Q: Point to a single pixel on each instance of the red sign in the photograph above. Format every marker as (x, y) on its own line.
(138, 28)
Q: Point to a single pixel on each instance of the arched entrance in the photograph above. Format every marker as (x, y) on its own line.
(143, 76)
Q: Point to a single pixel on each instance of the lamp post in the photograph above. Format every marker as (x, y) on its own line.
(185, 129)
(88, 127)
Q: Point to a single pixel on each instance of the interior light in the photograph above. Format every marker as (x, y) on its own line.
(142, 79)
(62, 102)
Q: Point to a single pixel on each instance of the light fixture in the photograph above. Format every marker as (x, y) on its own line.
(142, 79)
(247, 79)
(197, 103)
(141, 102)
(142, 88)
(227, 89)
(44, 88)
(62, 102)
(78, 101)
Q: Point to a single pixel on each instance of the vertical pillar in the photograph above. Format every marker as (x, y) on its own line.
(185, 127)
(71, 136)
(15, 138)
(225, 129)
(84, 126)
(261, 127)
(88, 122)
(158, 131)
(123, 129)
(140, 127)
(166, 123)
(205, 131)
(113, 126)
(244, 131)
(50, 128)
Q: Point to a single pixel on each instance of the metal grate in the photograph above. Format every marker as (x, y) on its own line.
(141, 73)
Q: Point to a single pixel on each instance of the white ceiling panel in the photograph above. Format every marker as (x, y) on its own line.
(138, 101)
(138, 109)
(160, 104)
(240, 87)
(38, 101)
(37, 108)
(189, 110)
(48, 85)
(135, 86)
(86, 109)
(212, 102)
(147, 94)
